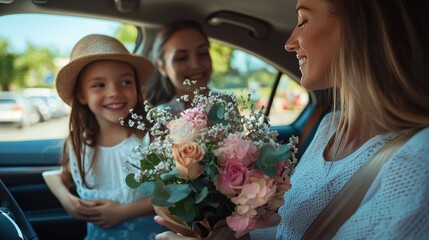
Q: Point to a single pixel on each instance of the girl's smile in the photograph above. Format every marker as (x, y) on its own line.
(109, 90)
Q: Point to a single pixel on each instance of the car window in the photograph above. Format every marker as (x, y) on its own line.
(242, 73)
(33, 47)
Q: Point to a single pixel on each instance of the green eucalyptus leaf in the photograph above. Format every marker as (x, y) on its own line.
(269, 158)
(211, 172)
(199, 183)
(167, 176)
(210, 166)
(161, 202)
(186, 216)
(216, 114)
(150, 161)
(178, 192)
(161, 194)
(147, 188)
(131, 181)
(201, 195)
(168, 195)
(185, 209)
(187, 203)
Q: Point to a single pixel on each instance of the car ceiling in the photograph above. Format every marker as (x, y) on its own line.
(275, 20)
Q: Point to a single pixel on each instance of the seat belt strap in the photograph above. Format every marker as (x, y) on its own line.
(348, 199)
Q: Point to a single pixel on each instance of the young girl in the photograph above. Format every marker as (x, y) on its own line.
(101, 83)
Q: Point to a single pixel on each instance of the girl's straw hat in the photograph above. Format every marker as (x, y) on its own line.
(92, 48)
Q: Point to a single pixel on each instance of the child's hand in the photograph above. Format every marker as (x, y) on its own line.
(79, 208)
(108, 213)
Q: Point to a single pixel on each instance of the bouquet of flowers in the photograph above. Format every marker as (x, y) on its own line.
(211, 164)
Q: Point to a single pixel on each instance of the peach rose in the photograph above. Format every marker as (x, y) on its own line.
(188, 157)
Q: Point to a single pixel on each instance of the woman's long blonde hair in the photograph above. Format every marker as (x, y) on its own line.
(382, 70)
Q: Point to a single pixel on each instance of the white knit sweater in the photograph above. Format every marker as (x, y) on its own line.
(395, 207)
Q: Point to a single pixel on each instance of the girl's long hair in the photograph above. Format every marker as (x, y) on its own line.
(84, 131)
(159, 89)
(382, 72)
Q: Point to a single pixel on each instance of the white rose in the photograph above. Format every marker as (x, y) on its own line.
(182, 131)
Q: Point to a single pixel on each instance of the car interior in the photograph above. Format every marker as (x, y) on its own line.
(253, 27)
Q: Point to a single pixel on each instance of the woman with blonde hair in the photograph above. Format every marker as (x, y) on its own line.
(366, 173)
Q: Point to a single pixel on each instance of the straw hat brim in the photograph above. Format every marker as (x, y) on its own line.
(67, 76)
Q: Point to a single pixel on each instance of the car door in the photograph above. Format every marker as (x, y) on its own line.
(27, 152)
(22, 163)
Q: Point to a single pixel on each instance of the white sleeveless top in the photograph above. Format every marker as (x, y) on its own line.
(108, 176)
(395, 207)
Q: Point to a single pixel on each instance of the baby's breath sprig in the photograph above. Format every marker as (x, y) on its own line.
(135, 120)
(293, 143)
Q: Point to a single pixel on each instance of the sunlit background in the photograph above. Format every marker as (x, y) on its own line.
(33, 47)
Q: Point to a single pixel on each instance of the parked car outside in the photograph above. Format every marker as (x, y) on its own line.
(47, 98)
(17, 110)
(42, 108)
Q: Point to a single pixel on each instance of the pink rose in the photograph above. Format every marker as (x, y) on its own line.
(234, 146)
(232, 178)
(188, 157)
(196, 116)
(241, 224)
(182, 131)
